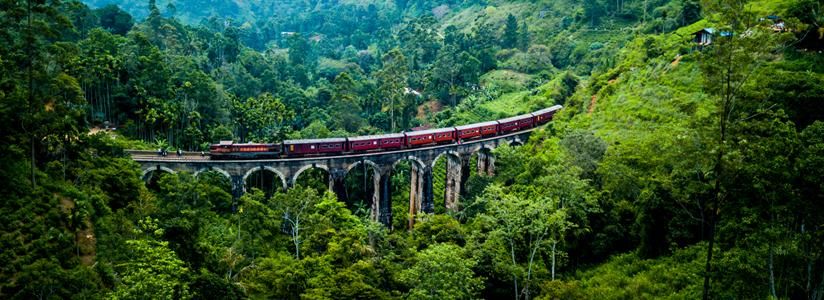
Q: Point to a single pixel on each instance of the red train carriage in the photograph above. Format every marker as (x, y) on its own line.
(477, 130)
(432, 136)
(514, 123)
(314, 147)
(545, 115)
(298, 148)
(526, 123)
(375, 142)
(230, 150)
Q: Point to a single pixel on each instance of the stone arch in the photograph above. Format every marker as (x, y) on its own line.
(307, 167)
(516, 142)
(483, 149)
(410, 158)
(373, 184)
(270, 169)
(419, 174)
(157, 168)
(485, 161)
(374, 166)
(448, 154)
(213, 169)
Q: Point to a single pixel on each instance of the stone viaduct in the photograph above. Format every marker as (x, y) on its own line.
(287, 170)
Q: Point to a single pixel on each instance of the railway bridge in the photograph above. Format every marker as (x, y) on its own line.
(287, 170)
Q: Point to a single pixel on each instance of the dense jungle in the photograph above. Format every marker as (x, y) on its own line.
(687, 161)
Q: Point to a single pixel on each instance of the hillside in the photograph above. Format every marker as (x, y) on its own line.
(675, 169)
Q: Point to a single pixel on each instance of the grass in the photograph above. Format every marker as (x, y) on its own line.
(628, 276)
(506, 80)
(509, 104)
(769, 7)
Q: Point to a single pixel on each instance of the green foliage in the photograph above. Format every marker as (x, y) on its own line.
(510, 38)
(114, 19)
(392, 86)
(442, 272)
(154, 272)
(628, 276)
(262, 118)
(619, 197)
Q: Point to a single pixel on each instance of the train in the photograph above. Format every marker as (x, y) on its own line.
(228, 150)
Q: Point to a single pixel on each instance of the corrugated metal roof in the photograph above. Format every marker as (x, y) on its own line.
(430, 131)
(314, 141)
(515, 118)
(476, 125)
(707, 30)
(546, 110)
(377, 136)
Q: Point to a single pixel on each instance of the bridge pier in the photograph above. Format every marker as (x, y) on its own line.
(428, 205)
(486, 163)
(466, 162)
(417, 192)
(385, 214)
(337, 183)
(237, 186)
(452, 192)
(375, 212)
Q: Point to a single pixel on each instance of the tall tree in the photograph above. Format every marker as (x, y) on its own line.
(510, 37)
(454, 74)
(345, 105)
(261, 118)
(115, 20)
(392, 84)
(728, 66)
(523, 37)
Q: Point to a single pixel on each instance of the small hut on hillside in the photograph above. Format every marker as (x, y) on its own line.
(703, 37)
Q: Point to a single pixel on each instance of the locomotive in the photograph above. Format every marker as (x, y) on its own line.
(384, 142)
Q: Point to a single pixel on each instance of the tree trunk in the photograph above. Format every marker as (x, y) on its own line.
(772, 272)
(31, 92)
(808, 286)
(514, 264)
(554, 243)
(708, 268)
(719, 171)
